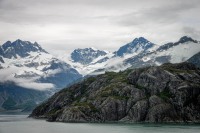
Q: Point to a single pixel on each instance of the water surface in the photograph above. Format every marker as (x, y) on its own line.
(22, 124)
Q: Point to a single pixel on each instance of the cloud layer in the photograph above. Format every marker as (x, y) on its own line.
(8, 74)
(69, 24)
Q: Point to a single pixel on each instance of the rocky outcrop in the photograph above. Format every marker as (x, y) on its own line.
(195, 59)
(169, 93)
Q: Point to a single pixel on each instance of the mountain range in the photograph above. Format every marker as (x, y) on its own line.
(138, 53)
(27, 66)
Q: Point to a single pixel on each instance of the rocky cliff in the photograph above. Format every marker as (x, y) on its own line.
(168, 93)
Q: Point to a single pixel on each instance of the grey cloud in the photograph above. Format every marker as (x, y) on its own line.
(192, 32)
(167, 14)
(7, 75)
(105, 24)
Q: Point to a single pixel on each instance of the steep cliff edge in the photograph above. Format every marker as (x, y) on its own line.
(168, 93)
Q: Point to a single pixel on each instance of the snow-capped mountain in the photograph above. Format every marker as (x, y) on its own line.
(114, 61)
(30, 66)
(175, 52)
(19, 48)
(87, 55)
(136, 46)
(139, 53)
(92, 61)
(182, 40)
(29, 74)
(86, 60)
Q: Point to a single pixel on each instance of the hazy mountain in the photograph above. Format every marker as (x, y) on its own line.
(195, 59)
(183, 39)
(13, 97)
(28, 65)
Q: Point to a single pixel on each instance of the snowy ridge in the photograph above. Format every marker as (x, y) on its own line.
(138, 53)
(87, 55)
(34, 68)
(177, 52)
(182, 52)
(35, 65)
(115, 61)
(137, 45)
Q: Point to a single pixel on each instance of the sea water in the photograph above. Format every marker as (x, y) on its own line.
(15, 123)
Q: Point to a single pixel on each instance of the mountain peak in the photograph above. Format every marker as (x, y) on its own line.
(20, 48)
(8, 42)
(137, 45)
(86, 55)
(18, 40)
(182, 40)
(140, 39)
(94, 48)
(186, 39)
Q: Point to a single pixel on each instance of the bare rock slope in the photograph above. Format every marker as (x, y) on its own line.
(168, 93)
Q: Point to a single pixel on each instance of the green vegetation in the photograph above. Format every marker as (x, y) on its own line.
(108, 90)
(171, 68)
(118, 77)
(90, 79)
(86, 105)
(179, 70)
(139, 87)
(165, 95)
(120, 97)
(112, 91)
(52, 112)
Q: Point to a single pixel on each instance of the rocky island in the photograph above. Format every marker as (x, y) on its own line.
(166, 93)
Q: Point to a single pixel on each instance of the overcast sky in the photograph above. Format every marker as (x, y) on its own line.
(104, 24)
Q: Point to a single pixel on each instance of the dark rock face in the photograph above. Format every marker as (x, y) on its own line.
(169, 93)
(1, 60)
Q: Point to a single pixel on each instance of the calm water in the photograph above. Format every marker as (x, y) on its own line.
(22, 124)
